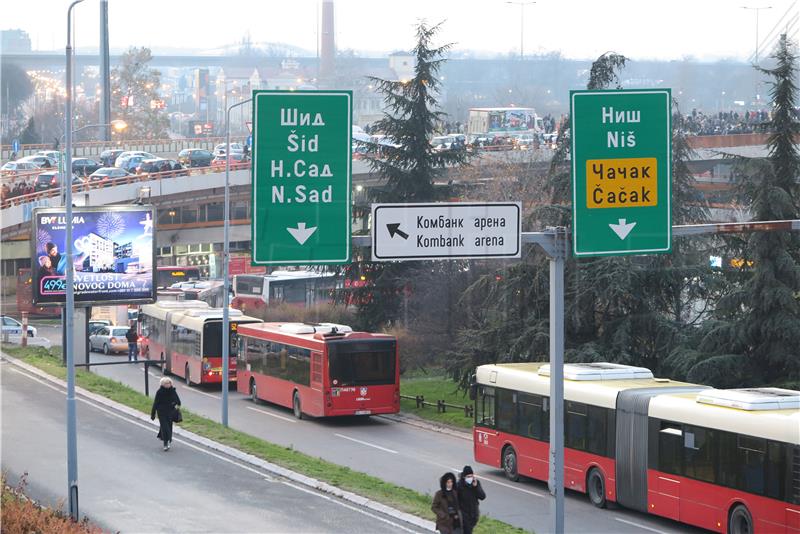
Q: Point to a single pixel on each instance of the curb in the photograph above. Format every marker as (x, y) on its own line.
(428, 425)
(239, 455)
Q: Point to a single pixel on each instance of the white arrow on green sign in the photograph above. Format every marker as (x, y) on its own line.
(301, 177)
(621, 172)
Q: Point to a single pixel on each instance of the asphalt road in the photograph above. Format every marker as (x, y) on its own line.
(128, 484)
(404, 454)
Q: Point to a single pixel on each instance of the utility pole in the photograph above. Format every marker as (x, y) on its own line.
(756, 9)
(105, 73)
(521, 24)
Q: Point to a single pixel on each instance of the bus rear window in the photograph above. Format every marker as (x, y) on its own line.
(362, 363)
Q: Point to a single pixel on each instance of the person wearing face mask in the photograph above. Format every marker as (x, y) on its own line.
(445, 506)
(469, 493)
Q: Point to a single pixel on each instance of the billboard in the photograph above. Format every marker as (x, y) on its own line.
(512, 120)
(113, 255)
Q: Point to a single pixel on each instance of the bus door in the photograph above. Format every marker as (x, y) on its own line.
(316, 381)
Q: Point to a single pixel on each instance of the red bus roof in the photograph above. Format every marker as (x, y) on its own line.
(308, 332)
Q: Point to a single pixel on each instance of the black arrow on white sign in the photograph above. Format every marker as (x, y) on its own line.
(394, 228)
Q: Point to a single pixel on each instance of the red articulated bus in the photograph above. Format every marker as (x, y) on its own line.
(320, 370)
(724, 460)
(188, 335)
(254, 292)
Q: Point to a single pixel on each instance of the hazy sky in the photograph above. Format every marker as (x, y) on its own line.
(640, 29)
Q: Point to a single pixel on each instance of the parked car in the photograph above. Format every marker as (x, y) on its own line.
(236, 148)
(129, 163)
(45, 162)
(104, 174)
(195, 157)
(108, 157)
(14, 327)
(96, 324)
(123, 159)
(52, 180)
(159, 165)
(236, 159)
(85, 166)
(109, 339)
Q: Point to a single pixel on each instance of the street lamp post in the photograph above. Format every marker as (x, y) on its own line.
(226, 320)
(521, 23)
(69, 305)
(756, 9)
(117, 124)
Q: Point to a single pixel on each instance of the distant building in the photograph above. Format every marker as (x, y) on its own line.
(15, 42)
(124, 250)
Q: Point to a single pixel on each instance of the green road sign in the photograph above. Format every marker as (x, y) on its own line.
(621, 172)
(301, 177)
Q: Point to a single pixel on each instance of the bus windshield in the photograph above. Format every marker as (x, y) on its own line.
(362, 363)
(212, 340)
(166, 276)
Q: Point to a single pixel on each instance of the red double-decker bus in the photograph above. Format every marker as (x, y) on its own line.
(724, 460)
(320, 370)
(188, 335)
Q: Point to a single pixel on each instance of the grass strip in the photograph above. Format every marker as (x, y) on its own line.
(435, 387)
(404, 499)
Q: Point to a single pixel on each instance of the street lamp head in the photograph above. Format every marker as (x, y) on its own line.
(119, 125)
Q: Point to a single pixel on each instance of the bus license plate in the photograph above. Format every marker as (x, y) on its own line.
(363, 412)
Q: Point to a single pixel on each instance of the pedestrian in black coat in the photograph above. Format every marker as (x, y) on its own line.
(164, 405)
(470, 493)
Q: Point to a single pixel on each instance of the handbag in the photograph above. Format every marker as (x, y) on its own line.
(177, 416)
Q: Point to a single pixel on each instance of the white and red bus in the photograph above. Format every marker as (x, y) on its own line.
(724, 460)
(168, 275)
(254, 292)
(319, 369)
(188, 335)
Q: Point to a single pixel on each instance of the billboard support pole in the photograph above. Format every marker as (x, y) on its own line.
(69, 306)
(226, 320)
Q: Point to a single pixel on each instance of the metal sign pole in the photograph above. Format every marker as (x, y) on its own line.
(69, 307)
(556, 479)
(226, 321)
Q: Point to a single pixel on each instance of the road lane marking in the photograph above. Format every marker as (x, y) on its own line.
(272, 414)
(200, 392)
(327, 498)
(42, 382)
(366, 443)
(639, 525)
(265, 476)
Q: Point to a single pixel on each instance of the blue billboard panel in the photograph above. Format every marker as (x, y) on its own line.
(113, 255)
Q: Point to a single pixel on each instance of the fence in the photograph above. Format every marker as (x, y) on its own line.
(441, 406)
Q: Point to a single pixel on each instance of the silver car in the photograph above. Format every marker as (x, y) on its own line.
(109, 339)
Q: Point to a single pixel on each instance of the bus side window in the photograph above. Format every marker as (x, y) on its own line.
(484, 413)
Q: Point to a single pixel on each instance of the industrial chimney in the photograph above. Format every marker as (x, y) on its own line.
(328, 43)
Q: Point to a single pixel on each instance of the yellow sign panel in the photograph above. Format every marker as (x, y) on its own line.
(621, 183)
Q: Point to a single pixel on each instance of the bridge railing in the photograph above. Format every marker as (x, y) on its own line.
(88, 185)
(94, 148)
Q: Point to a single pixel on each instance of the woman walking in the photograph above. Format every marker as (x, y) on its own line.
(445, 506)
(164, 405)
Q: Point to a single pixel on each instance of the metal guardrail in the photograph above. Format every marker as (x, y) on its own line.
(131, 178)
(441, 406)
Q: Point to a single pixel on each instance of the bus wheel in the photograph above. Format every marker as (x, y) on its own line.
(740, 521)
(253, 391)
(596, 487)
(186, 376)
(298, 412)
(510, 463)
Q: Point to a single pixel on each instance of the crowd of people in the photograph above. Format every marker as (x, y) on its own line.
(727, 122)
(17, 190)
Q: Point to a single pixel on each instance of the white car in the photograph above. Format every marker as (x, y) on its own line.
(123, 158)
(12, 326)
(19, 166)
(55, 155)
(109, 339)
(236, 148)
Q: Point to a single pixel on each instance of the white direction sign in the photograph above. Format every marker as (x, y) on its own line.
(458, 230)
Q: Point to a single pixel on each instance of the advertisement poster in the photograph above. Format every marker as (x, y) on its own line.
(113, 251)
(512, 120)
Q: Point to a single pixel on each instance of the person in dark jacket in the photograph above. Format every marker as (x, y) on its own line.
(469, 493)
(164, 405)
(133, 343)
(445, 506)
